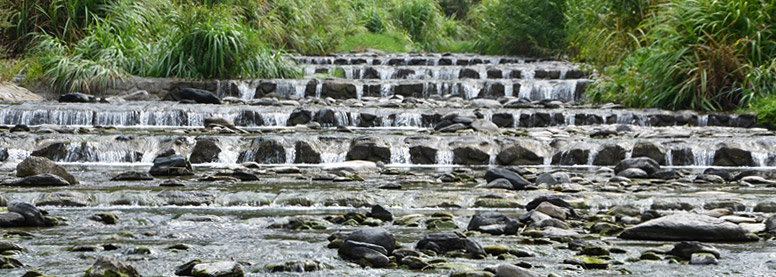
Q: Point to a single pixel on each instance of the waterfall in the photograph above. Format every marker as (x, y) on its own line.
(444, 157)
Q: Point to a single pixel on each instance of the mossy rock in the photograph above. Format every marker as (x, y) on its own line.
(594, 250)
(472, 273)
(449, 267)
(496, 203)
(495, 250)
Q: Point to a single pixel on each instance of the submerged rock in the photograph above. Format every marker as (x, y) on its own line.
(132, 176)
(686, 226)
(43, 180)
(110, 267)
(685, 250)
(39, 165)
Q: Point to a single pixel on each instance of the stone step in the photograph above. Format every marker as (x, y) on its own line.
(360, 114)
(543, 70)
(412, 59)
(669, 146)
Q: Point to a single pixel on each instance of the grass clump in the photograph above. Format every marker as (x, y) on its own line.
(392, 43)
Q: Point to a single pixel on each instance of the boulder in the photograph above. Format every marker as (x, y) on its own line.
(195, 95)
(265, 151)
(686, 226)
(39, 165)
(205, 151)
(552, 179)
(493, 223)
(508, 270)
(132, 176)
(423, 154)
(443, 243)
(685, 249)
(218, 269)
(482, 125)
(33, 217)
(63, 199)
(648, 165)
(109, 267)
(499, 183)
(381, 213)
(376, 236)
(649, 150)
(41, 180)
(471, 152)
(187, 198)
(3, 154)
(175, 165)
(374, 255)
(572, 156)
(609, 154)
(729, 155)
(518, 182)
(520, 154)
(338, 89)
(77, 98)
(9, 220)
(632, 173)
(56, 151)
(305, 154)
(368, 149)
(299, 117)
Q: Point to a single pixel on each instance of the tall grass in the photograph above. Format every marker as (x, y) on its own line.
(520, 27)
(701, 54)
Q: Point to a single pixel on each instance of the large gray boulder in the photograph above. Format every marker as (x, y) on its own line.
(377, 236)
(520, 154)
(195, 95)
(687, 226)
(33, 217)
(369, 149)
(39, 165)
(649, 166)
(41, 180)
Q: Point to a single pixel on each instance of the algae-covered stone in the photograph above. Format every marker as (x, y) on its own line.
(110, 267)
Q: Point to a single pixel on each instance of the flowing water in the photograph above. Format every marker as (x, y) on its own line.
(396, 102)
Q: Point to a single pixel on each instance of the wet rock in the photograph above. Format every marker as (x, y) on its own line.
(338, 89)
(508, 270)
(454, 127)
(423, 154)
(520, 154)
(730, 155)
(665, 205)
(56, 151)
(187, 198)
(132, 176)
(471, 152)
(205, 151)
(732, 205)
(666, 175)
(503, 120)
(549, 209)
(187, 268)
(765, 207)
(175, 165)
(39, 165)
(108, 267)
(573, 156)
(682, 156)
(770, 224)
(376, 236)
(685, 226)
(443, 243)
(556, 200)
(685, 249)
(266, 151)
(3, 154)
(9, 220)
(366, 253)
(305, 154)
(493, 223)
(41, 180)
(218, 269)
(33, 217)
(9, 246)
(633, 173)
(369, 149)
(381, 213)
(9, 263)
(649, 150)
(172, 183)
(609, 154)
(105, 218)
(482, 125)
(499, 183)
(299, 117)
(413, 262)
(297, 266)
(196, 95)
(708, 178)
(517, 181)
(648, 165)
(63, 199)
(703, 259)
(77, 98)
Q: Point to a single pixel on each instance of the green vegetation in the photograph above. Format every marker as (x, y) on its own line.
(674, 54)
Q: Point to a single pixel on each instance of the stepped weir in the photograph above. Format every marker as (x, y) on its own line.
(281, 165)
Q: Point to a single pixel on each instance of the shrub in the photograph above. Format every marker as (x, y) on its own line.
(520, 27)
(701, 54)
